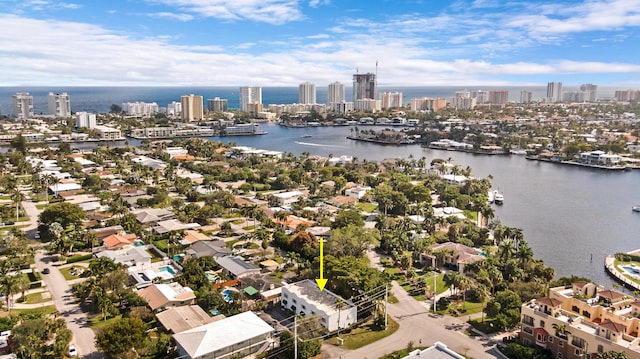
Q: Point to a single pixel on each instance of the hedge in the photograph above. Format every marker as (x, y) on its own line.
(81, 258)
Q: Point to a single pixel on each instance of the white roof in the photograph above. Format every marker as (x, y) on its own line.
(211, 337)
(62, 187)
(288, 194)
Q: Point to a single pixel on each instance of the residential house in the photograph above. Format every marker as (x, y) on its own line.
(163, 296)
(172, 225)
(136, 257)
(238, 336)
(305, 298)
(119, 241)
(452, 255)
(179, 319)
(286, 199)
(236, 267)
(208, 249)
(148, 217)
(357, 192)
(191, 236)
(342, 201)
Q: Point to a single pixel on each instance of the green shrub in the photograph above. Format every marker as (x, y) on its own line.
(81, 258)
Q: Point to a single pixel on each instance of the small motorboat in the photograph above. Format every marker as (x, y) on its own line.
(498, 198)
(305, 136)
(636, 208)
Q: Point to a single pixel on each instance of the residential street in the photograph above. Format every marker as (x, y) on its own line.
(417, 325)
(83, 335)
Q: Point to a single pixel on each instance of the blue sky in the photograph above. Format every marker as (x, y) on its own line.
(286, 42)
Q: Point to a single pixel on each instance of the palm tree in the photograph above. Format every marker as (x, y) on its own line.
(339, 305)
(17, 197)
(9, 285)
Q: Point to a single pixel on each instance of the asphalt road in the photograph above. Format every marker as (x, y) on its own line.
(422, 328)
(77, 321)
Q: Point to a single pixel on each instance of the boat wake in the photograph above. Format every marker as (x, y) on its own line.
(316, 144)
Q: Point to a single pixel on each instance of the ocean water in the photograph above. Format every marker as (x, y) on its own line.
(100, 99)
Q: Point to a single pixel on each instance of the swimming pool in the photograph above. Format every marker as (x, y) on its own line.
(167, 269)
(226, 294)
(631, 270)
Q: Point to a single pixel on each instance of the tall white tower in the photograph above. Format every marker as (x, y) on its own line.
(59, 104)
(248, 95)
(307, 93)
(192, 108)
(336, 93)
(554, 91)
(23, 105)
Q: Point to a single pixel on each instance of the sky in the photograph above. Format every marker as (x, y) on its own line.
(287, 42)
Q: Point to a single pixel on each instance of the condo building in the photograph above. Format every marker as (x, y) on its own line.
(365, 86)
(335, 93)
(428, 104)
(391, 100)
(554, 92)
(174, 109)
(307, 93)
(481, 96)
(250, 95)
(525, 96)
(22, 105)
(498, 97)
(192, 109)
(217, 104)
(85, 119)
(581, 321)
(59, 104)
(140, 108)
(590, 92)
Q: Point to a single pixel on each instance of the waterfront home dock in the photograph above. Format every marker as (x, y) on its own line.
(622, 273)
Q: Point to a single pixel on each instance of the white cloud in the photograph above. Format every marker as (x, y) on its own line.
(173, 16)
(316, 3)
(318, 36)
(105, 57)
(270, 11)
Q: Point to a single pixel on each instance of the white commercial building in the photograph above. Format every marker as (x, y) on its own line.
(140, 108)
(22, 105)
(109, 133)
(368, 105)
(217, 104)
(305, 298)
(250, 95)
(554, 92)
(59, 104)
(174, 109)
(288, 198)
(85, 119)
(307, 93)
(238, 336)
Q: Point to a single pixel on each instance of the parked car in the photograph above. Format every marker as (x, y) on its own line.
(72, 351)
(10, 223)
(36, 235)
(46, 271)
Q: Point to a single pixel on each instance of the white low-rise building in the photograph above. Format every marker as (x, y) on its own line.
(305, 298)
(286, 199)
(357, 192)
(238, 336)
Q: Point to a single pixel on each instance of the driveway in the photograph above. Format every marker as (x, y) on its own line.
(422, 328)
(77, 320)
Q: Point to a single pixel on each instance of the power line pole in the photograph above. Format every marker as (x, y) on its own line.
(435, 275)
(386, 287)
(295, 337)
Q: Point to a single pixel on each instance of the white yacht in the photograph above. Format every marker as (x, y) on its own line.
(498, 198)
(636, 208)
(491, 197)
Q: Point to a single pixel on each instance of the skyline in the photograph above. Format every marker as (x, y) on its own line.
(287, 42)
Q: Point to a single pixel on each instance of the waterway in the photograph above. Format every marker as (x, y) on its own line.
(572, 217)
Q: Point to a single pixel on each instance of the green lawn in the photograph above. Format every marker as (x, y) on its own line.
(366, 207)
(161, 245)
(461, 309)
(41, 206)
(625, 274)
(230, 244)
(366, 334)
(398, 354)
(34, 298)
(485, 326)
(97, 323)
(249, 228)
(49, 309)
(68, 272)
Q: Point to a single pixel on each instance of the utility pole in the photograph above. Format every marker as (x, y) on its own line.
(435, 276)
(386, 291)
(295, 337)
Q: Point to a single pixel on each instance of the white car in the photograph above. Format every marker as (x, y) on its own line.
(72, 351)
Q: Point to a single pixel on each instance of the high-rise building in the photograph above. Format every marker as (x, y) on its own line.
(627, 95)
(498, 97)
(525, 96)
(365, 86)
(591, 92)
(250, 94)
(174, 109)
(22, 105)
(192, 109)
(480, 96)
(59, 104)
(391, 100)
(428, 104)
(463, 103)
(554, 91)
(335, 93)
(85, 119)
(307, 93)
(217, 104)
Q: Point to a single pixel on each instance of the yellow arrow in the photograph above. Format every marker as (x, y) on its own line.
(321, 282)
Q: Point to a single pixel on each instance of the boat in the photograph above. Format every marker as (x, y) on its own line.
(306, 136)
(498, 198)
(490, 197)
(636, 208)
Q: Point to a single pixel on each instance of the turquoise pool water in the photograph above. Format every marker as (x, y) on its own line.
(167, 269)
(630, 270)
(226, 294)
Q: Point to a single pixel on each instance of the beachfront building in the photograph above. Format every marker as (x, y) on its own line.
(305, 298)
(430, 104)
(244, 129)
(174, 109)
(139, 108)
(22, 105)
(590, 91)
(391, 100)
(250, 95)
(368, 105)
(307, 93)
(192, 109)
(239, 336)
(335, 93)
(525, 96)
(59, 104)
(498, 97)
(85, 119)
(217, 104)
(581, 321)
(554, 92)
(365, 86)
